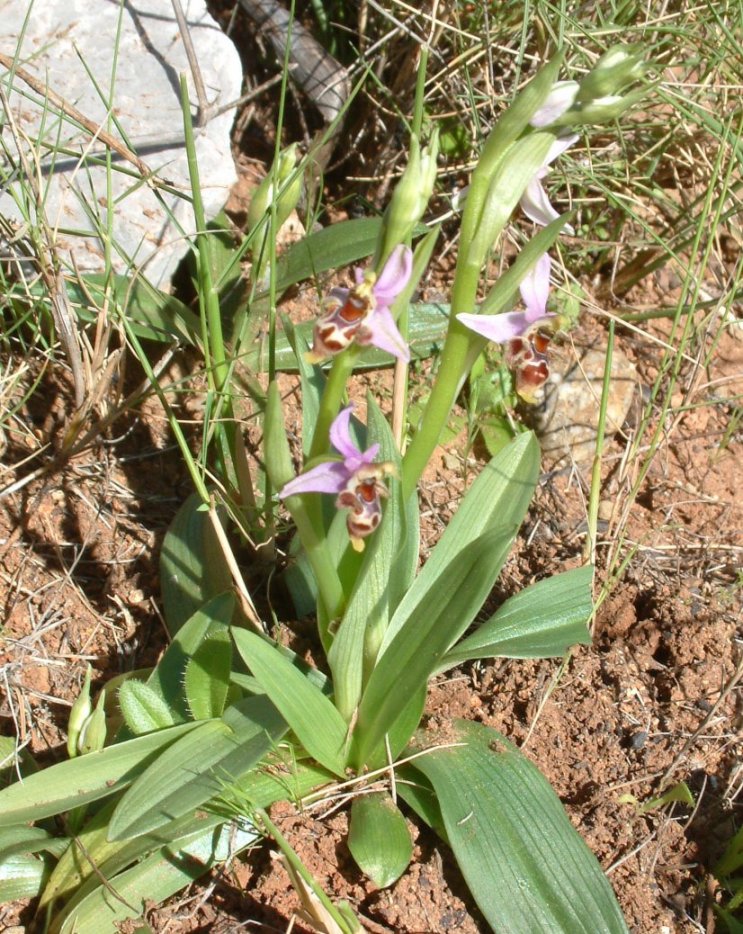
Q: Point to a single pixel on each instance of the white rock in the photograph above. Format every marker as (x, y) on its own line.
(70, 45)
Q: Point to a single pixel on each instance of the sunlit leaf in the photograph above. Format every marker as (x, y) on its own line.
(143, 707)
(192, 567)
(541, 621)
(207, 677)
(215, 754)
(379, 839)
(310, 714)
(524, 862)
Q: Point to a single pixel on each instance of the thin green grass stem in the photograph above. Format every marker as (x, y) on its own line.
(595, 494)
(214, 349)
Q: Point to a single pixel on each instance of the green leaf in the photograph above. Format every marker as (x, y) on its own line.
(330, 248)
(192, 567)
(310, 714)
(503, 294)
(379, 839)
(526, 866)
(387, 569)
(198, 767)
(283, 778)
(24, 840)
(312, 381)
(167, 678)
(153, 880)
(437, 617)
(23, 876)
(143, 707)
(541, 621)
(152, 314)
(79, 781)
(277, 453)
(499, 496)
(207, 677)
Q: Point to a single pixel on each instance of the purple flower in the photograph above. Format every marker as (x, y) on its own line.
(356, 479)
(534, 201)
(534, 290)
(525, 333)
(362, 314)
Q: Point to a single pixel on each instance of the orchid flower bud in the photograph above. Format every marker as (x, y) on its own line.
(79, 713)
(410, 197)
(93, 734)
(274, 187)
(614, 71)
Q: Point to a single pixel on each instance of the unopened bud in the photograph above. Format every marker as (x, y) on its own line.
(79, 713)
(410, 197)
(93, 734)
(559, 99)
(275, 187)
(615, 70)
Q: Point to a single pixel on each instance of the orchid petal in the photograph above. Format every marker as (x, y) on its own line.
(330, 477)
(535, 287)
(498, 328)
(381, 331)
(361, 459)
(559, 146)
(560, 98)
(394, 276)
(340, 434)
(536, 205)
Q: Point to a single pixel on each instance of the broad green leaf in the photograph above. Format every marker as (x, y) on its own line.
(441, 614)
(398, 736)
(192, 567)
(143, 707)
(526, 866)
(310, 714)
(541, 621)
(499, 496)
(207, 677)
(379, 839)
(280, 779)
(154, 879)
(189, 773)
(79, 781)
(388, 565)
(23, 876)
(24, 840)
(167, 678)
(330, 248)
(152, 314)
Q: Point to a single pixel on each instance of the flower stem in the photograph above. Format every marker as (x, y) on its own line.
(331, 399)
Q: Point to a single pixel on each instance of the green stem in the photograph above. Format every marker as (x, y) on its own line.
(316, 548)
(332, 397)
(452, 370)
(208, 296)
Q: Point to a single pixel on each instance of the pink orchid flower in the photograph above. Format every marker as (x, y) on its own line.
(525, 333)
(356, 479)
(362, 314)
(534, 201)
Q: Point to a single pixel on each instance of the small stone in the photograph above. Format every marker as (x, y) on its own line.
(567, 419)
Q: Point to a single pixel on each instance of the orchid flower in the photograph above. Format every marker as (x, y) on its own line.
(356, 479)
(559, 100)
(525, 333)
(534, 201)
(362, 314)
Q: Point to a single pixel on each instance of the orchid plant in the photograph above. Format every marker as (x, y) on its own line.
(174, 769)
